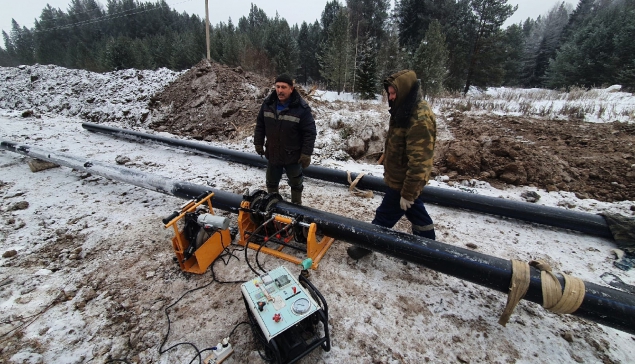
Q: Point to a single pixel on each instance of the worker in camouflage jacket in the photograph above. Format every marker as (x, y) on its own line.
(408, 157)
(286, 122)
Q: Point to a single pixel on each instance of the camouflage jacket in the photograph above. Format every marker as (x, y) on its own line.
(409, 148)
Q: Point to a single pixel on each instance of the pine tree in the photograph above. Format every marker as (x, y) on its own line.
(578, 18)
(315, 39)
(12, 57)
(308, 41)
(119, 54)
(625, 46)
(366, 73)
(513, 44)
(5, 59)
(598, 53)
(490, 15)
(391, 57)
(370, 16)
(459, 28)
(554, 23)
(21, 43)
(458, 23)
(330, 12)
(410, 19)
(231, 46)
(430, 61)
(84, 34)
(51, 39)
(306, 53)
(489, 69)
(254, 25)
(281, 47)
(160, 49)
(368, 20)
(335, 52)
(253, 30)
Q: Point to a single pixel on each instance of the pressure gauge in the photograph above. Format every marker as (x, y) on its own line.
(301, 306)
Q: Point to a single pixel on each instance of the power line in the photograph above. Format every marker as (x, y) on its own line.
(107, 17)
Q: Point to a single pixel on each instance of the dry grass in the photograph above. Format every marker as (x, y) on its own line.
(577, 103)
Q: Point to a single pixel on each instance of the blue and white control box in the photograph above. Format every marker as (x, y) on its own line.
(277, 301)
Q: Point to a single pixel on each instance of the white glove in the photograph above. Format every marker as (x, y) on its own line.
(405, 204)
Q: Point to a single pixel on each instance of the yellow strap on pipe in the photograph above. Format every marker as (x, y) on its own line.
(553, 298)
(517, 288)
(356, 191)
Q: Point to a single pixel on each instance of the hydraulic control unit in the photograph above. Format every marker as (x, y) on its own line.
(289, 316)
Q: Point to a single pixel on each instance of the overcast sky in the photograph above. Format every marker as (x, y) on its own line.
(26, 11)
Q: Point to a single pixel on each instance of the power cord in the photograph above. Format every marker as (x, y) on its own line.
(167, 334)
(249, 239)
(230, 335)
(284, 229)
(227, 253)
(167, 315)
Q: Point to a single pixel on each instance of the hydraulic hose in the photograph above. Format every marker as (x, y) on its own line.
(601, 304)
(551, 216)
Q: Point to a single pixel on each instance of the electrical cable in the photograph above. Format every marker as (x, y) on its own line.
(104, 17)
(228, 336)
(237, 325)
(214, 279)
(167, 334)
(220, 257)
(264, 243)
(119, 12)
(247, 244)
(284, 228)
(259, 336)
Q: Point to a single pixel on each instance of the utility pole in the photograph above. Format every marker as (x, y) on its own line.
(207, 27)
(355, 64)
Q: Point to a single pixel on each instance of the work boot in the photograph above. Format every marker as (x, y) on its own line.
(272, 189)
(357, 253)
(296, 197)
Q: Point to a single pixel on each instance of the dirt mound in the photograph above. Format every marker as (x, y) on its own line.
(210, 102)
(592, 160)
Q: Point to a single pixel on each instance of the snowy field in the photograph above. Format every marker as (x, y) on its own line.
(92, 272)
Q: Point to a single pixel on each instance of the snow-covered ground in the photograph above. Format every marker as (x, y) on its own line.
(93, 269)
(596, 105)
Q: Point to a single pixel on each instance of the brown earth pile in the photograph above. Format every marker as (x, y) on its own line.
(593, 160)
(210, 102)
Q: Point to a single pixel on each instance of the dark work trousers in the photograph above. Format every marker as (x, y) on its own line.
(389, 212)
(294, 174)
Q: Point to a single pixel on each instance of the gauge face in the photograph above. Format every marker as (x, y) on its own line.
(301, 306)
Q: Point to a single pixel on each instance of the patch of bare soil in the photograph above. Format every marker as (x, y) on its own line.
(210, 102)
(593, 160)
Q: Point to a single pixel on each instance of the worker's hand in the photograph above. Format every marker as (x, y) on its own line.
(260, 149)
(405, 204)
(305, 160)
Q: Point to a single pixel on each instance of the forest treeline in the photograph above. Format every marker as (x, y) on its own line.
(451, 44)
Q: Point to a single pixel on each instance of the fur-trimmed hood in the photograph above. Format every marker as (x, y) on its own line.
(407, 88)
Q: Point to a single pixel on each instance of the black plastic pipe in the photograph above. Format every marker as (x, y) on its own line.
(226, 201)
(601, 304)
(552, 216)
